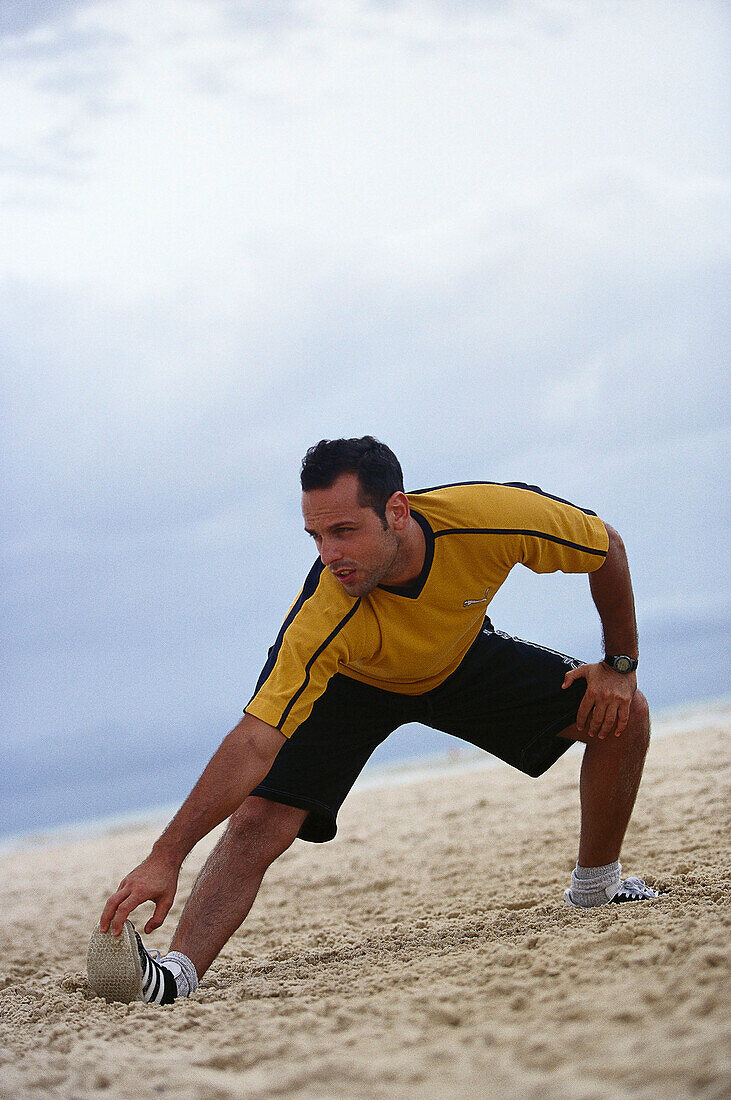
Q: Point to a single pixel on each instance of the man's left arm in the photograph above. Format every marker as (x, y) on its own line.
(606, 704)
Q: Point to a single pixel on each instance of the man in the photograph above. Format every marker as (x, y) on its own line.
(389, 628)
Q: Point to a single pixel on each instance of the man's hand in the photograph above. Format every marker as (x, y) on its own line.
(606, 703)
(156, 879)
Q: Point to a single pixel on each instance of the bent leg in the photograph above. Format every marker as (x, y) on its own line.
(610, 777)
(257, 834)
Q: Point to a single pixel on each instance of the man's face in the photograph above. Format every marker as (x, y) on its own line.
(351, 539)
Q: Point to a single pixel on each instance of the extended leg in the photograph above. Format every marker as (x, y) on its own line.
(610, 777)
(224, 891)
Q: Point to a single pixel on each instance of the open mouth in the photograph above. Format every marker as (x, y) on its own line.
(344, 575)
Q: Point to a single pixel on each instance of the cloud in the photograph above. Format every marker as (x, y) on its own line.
(23, 17)
(492, 234)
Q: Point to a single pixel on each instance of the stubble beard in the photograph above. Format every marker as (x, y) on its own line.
(374, 577)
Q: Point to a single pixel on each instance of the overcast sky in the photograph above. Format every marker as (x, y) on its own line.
(494, 234)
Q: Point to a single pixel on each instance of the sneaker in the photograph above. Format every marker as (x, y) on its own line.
(635, 889)
(120, 968)
(632, 889)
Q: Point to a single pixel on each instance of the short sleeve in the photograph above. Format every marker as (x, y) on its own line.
(548, 534)
(312, 645)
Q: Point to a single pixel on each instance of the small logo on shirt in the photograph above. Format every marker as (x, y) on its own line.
(483, 599)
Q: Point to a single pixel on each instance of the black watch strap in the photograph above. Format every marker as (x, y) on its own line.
(621, 663)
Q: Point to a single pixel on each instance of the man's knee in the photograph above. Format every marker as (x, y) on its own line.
(264, 829)
(638, 726)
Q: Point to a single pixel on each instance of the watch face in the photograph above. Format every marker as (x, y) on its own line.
(622, 664)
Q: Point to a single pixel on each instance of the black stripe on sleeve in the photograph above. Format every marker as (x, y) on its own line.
(308, 589)
(518, 531)
(312, 660)
(508, 485)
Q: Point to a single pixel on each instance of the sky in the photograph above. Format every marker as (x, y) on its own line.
(493, 234)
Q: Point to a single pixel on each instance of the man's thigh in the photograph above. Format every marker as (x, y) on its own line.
(321, 761)
(506, 697)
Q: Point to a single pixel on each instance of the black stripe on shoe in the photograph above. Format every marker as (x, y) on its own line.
(158, 984)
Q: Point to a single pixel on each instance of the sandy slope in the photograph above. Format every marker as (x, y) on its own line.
(424, 953)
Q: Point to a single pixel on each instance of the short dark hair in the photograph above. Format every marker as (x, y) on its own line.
(378, 469)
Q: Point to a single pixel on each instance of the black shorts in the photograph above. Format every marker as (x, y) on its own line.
(505, 697)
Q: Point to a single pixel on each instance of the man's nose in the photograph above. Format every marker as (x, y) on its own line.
(329, 552)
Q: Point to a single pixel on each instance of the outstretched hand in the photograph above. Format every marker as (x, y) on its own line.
(606, 703)
(154, 880)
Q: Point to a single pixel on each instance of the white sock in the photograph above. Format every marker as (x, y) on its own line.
(182, 970)
(592, 886)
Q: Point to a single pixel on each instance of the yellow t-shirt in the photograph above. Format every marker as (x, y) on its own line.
(410, 639)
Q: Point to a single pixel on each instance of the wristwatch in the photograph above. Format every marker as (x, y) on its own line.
(621, 663)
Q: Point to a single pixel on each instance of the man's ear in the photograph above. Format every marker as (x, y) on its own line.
(397, 511)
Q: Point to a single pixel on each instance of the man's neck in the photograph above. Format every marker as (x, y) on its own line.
(409, 561)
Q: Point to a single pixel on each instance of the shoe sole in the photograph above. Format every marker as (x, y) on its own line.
(567, 900)
(113, 965)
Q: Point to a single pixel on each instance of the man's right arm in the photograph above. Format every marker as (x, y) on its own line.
(242, 760)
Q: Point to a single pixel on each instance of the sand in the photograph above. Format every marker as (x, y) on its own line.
(426, 952)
